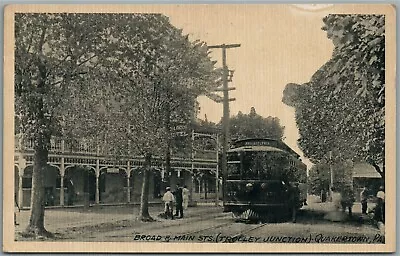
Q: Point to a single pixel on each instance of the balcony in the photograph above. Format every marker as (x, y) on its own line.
(60, 146)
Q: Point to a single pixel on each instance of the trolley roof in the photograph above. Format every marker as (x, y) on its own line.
(262, 144)
(256, 148)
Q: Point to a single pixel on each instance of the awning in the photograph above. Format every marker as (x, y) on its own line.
(364, 170)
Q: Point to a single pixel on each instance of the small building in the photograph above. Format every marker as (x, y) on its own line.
(365, 175)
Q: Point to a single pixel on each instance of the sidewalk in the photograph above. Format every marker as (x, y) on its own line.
(69, 218)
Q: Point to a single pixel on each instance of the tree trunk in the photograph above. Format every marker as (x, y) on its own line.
(168, 157)
(36, 222)
(144, 199)
(168, 139)
(42, 140)
(378, 169)
(168, 152)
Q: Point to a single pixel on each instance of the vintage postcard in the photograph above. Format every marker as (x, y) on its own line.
(199, 128)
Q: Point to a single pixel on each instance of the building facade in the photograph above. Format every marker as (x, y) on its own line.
(75, 176)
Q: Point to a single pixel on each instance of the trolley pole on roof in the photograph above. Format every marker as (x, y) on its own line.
(225, 119)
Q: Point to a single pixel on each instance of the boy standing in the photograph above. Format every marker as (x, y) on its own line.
(168, 199)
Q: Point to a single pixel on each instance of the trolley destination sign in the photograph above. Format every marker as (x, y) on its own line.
(253, 142)
(257, 142)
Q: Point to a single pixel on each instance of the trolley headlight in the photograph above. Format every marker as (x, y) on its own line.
(249, 186)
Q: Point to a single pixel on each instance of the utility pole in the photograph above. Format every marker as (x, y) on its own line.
(226, 100)
(217, 172)
(331, 171)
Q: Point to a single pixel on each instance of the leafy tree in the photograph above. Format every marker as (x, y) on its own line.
(342, 108)
(253, 125)
(53, 56)
(205, 143)
(319, 179)
(176, 72)
(77, 76)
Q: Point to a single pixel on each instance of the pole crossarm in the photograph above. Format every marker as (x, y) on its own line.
(221, 89)
(226, 46)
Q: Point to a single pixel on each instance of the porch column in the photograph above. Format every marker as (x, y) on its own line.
(21, 169)
(192, 189)
(20, 191)
(97, 181)
(62, 174)
(128, 191)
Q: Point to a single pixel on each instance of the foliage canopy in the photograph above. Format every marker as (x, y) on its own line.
(342, 108)
(253, 125)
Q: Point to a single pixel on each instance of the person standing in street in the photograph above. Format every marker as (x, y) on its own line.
(363, 199)
(179, 201)
(168, 199)
(380, 205)
(294, 199)
(185, 195)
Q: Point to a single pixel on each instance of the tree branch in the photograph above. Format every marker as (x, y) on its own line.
(377, 168)
(88, 59)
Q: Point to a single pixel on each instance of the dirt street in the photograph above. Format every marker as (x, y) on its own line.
(201, 224)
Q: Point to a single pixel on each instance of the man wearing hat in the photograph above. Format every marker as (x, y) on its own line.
(168, 199)
(179, 202)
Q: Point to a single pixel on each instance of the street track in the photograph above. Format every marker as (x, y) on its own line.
(210, 228)
(227, 225)
(161, 225)
(243, 233)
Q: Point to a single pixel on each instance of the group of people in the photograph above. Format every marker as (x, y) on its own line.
(379, 211)
(178, 199)
(339, 201)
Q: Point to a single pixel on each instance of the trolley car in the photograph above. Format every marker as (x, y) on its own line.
(265, 179)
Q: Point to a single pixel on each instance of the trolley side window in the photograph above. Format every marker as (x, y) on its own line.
(233, 165)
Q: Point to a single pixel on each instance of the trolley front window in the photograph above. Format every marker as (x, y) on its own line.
(257, 165)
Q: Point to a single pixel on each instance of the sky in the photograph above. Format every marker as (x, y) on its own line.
(279, 45)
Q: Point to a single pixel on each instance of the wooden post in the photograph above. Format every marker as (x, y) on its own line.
(62, 174)
(97, 181)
